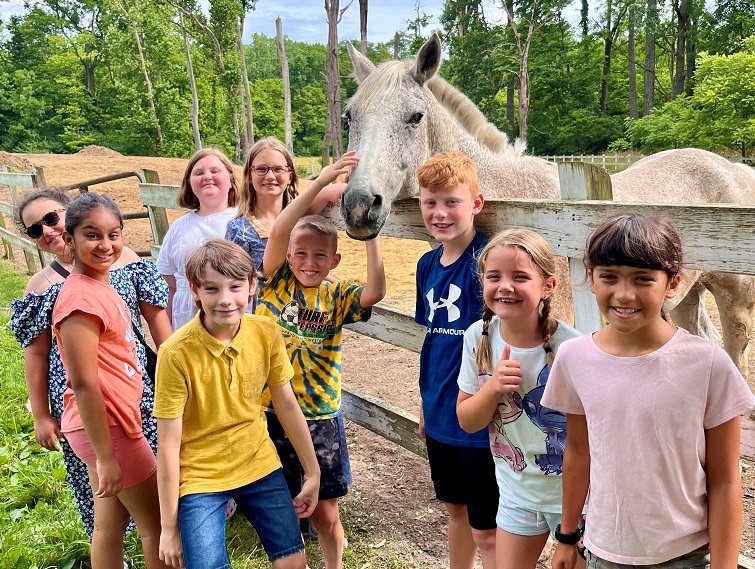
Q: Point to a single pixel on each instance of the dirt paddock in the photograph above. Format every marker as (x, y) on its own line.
(392, 490)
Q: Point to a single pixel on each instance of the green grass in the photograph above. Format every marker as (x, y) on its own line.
(39, 523)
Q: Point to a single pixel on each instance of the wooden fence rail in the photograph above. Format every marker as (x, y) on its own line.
(622, 161)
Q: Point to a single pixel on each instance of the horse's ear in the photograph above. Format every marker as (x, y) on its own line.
(428, 60)
(362, 66)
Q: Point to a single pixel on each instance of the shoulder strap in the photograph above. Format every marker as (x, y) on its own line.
(58, 268)
(139, 335)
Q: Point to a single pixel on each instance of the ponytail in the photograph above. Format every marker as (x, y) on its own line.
(545, 322)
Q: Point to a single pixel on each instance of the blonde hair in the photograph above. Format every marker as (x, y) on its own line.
(320, 226)
(186, 197)
(539, 252)
(448, 171)
(248, 195)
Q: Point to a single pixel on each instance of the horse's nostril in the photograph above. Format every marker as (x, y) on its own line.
(377, 207)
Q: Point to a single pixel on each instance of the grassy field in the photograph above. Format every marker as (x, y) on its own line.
(39, 523)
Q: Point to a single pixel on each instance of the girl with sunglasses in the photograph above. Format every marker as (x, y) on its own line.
(41, 216)
(270, 183)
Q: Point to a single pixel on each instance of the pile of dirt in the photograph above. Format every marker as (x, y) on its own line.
(16, 162)
(94, 150)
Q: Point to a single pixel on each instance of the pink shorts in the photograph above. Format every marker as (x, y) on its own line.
(134, 456)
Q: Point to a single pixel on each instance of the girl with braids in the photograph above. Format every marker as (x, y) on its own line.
(505, 364)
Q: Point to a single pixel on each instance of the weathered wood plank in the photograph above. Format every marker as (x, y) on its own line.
(394, 326)
(158, 217)
(745, 563)
(382, 418)
(17, 241)
(715, 237)
(17, 180)
(159, 195)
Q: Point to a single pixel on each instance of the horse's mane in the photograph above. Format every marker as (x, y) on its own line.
(472, 119)
(385, 81)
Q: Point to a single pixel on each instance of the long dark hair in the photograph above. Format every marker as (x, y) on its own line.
(85, 204)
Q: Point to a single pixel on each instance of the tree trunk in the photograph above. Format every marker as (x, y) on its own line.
(363, 26)
(632, 56)
(193, 87)
(689, 76)
(510, 93)
(286, 84)
(396, 38)
(649, 84)
(325, 149)
(247, 92)
(607, 53)
(333, 78)
(681, 7)
(524, 97)
(148, 81)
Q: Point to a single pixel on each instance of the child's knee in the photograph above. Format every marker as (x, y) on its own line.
(295, 561)
(326, 515)
(456, 510)
(484, 539)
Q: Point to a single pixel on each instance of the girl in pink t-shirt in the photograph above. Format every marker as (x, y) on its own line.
(101, 415)
(653, 416)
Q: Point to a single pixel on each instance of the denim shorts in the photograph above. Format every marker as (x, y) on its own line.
(267, 505)
(518, 520)
(697, 559)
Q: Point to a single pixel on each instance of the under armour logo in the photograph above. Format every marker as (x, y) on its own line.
(454, 292)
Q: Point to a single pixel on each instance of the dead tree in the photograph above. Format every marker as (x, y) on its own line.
(334, 134)
(286, 83)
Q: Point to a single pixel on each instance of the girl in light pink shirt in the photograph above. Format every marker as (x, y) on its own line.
(101, 415)
(652, 415)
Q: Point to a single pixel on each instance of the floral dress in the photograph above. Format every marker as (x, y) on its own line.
(251, 235)
(136, 282)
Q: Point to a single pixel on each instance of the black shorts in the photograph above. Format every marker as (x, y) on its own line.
(465, 475)
(327, 445)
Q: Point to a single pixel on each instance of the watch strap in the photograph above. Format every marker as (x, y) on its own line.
(567, 538)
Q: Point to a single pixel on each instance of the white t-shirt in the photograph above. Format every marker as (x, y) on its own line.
(186, 234)
(526, 438)
(646, 420)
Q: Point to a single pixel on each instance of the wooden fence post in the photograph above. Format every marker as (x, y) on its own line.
(582, 181)
(31, 259)
(158, 218)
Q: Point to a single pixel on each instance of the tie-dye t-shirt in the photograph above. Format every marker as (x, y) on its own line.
(311, 321)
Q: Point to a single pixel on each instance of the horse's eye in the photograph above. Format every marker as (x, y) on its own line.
(415, 119)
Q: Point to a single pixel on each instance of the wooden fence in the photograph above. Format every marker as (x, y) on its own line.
(615, 162)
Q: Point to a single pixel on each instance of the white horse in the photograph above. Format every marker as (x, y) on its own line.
(403, 112)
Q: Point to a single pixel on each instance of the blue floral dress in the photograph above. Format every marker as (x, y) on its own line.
(250, 235)
(136, 282)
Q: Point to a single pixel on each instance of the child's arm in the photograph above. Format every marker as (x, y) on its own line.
(292, 420)
(575, 483)
(280, 234)
(168, 452)
(724, 486)
(157, 320)
(476, 411)
(331, 194)
(171, 280)
(374, 291)
(37, 370)
(80, 337)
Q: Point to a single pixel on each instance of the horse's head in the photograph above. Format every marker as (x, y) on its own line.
(388, 129)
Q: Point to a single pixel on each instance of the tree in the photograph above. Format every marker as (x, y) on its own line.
(611, 31)
(363, 26)
(651, 25)
(334, 133)
(286, 84)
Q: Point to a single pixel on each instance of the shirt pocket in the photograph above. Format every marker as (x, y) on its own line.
(251, 386)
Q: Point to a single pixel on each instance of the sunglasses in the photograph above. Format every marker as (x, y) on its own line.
(262, 170)
(51, 218)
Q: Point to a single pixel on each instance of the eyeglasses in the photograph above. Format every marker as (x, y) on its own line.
(262, 170)
(51, 218)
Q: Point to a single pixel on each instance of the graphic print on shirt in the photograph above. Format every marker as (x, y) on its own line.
(312, 326)
(508, 410)
(552, 423)
(454, 293)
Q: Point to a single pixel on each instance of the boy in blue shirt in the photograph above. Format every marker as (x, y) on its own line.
(449, 300)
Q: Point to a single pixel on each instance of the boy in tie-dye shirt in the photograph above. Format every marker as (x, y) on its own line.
(311, 313)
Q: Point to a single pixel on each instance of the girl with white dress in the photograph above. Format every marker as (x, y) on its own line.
(210, 189)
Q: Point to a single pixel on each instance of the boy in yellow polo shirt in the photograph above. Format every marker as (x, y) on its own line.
(212, 435)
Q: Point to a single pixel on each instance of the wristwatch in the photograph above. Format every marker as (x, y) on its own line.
(567, 538)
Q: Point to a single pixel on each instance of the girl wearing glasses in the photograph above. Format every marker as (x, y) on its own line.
(270, 183)
(41, 216)
(209, 188)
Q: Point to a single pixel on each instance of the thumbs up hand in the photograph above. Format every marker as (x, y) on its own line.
(507, 375)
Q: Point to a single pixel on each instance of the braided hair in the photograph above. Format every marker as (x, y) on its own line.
(539, 252)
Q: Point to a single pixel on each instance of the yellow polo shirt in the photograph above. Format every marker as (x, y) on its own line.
(216, 389)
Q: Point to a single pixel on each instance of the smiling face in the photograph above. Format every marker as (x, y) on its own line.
(311, 256)
(513, 286)
(631, 298)
(97, 242)
(223, 301)
(51, 239)
(449, 213)
(210, 182)
(270, 185)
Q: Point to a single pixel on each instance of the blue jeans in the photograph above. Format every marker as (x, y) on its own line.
(697, 559)
(267, 505)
